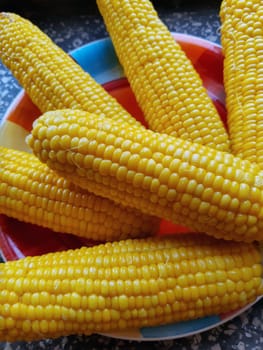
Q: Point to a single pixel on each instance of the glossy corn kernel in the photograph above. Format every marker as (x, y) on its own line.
(31, 192)
(126, 284)
(242, 43)
(187, 183)
(164, 81)
(49, 75)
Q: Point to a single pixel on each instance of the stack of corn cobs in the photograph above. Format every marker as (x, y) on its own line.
(96, 172)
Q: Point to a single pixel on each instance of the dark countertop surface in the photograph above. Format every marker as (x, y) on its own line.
(66, 23)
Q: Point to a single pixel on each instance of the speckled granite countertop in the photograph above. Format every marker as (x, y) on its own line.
(67, 26)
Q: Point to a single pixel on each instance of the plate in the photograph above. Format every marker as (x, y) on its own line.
(99, 59)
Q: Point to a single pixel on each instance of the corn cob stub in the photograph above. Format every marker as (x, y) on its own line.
(132, 283)
(49, 75)
(31, 192)
(164, 81)
(242, 44)
(183, 182)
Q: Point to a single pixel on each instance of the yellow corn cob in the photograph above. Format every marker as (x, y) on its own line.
(164, 81)
(132, 283)
(187, 183)
(49, 75)
(53, 80)
(31, 192)
(242, 43)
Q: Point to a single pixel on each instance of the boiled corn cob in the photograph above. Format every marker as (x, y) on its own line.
(164, 81)
(187, 183)
(31, 192)
(49, 75)
(132, 283)
(242, 44)
(53, 80)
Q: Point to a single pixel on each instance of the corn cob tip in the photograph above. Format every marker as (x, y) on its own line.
(7, 17)
(5, 14)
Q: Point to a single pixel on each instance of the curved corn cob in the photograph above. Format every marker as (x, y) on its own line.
(187, 183)
(125, 284)
(49, 75)
(164, 81)
(242, 43)
(31, 192)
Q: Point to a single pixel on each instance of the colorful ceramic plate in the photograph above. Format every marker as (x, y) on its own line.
(98, 58)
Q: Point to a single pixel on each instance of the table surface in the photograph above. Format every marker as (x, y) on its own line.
(67, 25)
